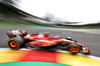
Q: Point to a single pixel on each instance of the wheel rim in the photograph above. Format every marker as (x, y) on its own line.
(74, 50)
(13, 44)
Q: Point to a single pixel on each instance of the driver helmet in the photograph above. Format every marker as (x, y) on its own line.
(46, 33)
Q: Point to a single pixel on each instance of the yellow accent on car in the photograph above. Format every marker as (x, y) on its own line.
(15, 41)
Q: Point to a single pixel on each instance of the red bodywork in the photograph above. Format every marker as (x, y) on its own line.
(45, 40)
(48, 40)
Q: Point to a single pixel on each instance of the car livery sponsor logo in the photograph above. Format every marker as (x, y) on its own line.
(42, 42)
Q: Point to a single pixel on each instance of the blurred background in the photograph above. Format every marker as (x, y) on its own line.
(73, 13)
(79, 19)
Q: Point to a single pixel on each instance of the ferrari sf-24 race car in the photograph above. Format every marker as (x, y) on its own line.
(20, 38)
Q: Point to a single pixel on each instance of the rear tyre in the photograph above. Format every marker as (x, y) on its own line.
(15, 43)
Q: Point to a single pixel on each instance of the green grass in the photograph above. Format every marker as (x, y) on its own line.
(11, 24)
(32, 64)
(4, 23)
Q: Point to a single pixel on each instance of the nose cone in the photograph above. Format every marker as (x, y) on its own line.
(86, 52)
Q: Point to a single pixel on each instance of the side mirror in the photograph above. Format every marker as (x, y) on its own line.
(68, 38)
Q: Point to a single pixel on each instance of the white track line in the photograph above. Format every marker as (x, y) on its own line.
(90, 56)
(86, 32)
(7, 49)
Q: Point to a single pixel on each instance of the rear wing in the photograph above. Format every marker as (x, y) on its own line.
(14, 33)
(10, 34)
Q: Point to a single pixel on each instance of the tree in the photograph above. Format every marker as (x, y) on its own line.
(9, 2)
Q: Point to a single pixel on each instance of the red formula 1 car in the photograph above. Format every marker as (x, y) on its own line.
(20, 38)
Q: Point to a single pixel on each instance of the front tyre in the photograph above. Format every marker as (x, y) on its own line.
(15, 43)
(74, 49)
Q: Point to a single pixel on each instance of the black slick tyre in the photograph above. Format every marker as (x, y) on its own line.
(15, 43)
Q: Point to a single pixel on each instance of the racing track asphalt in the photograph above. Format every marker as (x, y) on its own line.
(92, 41)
